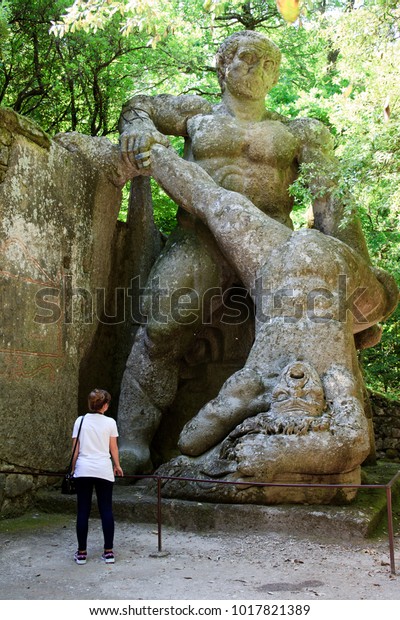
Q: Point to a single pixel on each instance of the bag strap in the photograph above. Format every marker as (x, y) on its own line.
(76, 443)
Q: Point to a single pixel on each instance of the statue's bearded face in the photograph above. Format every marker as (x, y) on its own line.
(251, 72)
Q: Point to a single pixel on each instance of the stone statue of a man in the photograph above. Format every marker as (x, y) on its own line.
(243, 148)
(295, 412)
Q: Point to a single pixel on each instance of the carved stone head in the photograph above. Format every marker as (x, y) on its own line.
(248, 64)
(299, 391)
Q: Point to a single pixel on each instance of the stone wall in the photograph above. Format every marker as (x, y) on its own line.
(386, 419)
(62, 254)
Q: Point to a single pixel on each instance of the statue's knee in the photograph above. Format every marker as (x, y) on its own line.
(182, 319)
(150, 341)
(168, 338)
(156, 334)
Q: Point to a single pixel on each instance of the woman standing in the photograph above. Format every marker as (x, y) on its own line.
(93, 468)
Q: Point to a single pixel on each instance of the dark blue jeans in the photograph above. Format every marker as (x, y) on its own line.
(84, 491)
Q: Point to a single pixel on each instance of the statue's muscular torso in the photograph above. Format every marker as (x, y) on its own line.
(256, 159)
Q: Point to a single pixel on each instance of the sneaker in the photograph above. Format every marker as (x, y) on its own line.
(108, 557)
(80, 557)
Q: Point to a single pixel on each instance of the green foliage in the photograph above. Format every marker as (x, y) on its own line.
(123, 212)
(301, 193)
(164, 210)
(153, 17)
(77, 83)
(367, 143)
(381, 363)
(4, 18)
(80, 81)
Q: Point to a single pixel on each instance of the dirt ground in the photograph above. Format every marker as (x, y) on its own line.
(37, 563)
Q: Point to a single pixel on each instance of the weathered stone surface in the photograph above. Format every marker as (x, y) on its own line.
(311, 419)
(59, 201)
(296, 410)
(14, 124)
(135, 247)
(17, 485)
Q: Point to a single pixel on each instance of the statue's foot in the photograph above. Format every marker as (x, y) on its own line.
(135, 459)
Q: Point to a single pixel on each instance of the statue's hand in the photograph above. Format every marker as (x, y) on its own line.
(135, 144)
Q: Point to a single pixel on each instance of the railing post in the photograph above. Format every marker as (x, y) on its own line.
(390, 529)
(159, 513)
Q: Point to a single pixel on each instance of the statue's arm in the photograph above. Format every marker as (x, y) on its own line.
(147, 120)
(321, 168)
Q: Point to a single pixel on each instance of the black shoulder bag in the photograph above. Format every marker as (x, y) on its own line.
(68, 486)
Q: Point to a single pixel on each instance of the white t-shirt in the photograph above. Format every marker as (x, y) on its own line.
(94, 459)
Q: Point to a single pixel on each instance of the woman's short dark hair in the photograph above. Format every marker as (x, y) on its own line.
(97, 399)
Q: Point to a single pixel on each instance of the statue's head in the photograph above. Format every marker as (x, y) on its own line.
(248, 62)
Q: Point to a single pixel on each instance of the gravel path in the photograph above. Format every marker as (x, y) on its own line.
(37, 551)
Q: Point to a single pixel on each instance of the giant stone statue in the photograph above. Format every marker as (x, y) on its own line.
(294, 413)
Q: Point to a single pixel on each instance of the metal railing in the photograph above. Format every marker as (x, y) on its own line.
(160, 478)
(388, 488)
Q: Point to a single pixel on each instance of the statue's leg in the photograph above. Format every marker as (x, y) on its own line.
(242, 395)
(173, 303)
(302, 314)
(321, 292)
